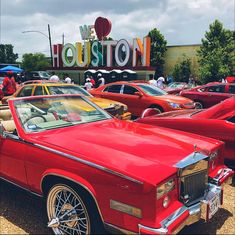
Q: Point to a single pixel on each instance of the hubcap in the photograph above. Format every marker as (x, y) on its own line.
(66, 212)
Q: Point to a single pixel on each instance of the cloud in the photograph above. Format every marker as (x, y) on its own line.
(180, 21)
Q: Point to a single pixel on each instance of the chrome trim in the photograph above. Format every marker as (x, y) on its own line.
(195, 214)
(190, 159)
(223, 172)
(153, 230)
(94, 165)
(76, 182)
(18, 186)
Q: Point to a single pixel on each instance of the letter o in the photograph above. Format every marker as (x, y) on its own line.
(65, 58)
(118, 52)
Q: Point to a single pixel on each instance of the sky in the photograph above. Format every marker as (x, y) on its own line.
(182, 22)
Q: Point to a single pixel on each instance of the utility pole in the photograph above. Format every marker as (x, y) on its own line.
(49, 34)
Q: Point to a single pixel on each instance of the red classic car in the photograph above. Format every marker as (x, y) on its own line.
(216, 122)
(139, 96)
(96, 171)
(210, 94)
(176, 87)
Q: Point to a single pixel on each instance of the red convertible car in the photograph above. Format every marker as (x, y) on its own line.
(210, 94)
(96, 171)
(139, 96)
(216, 122)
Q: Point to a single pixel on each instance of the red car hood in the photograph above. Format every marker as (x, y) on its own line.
(174, 98)
(183, 113)
(134, 149)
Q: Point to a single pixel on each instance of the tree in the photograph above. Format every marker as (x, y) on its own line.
(35, 62)
(217, 53)
(181, 71)
(158, 49)
(7, 55)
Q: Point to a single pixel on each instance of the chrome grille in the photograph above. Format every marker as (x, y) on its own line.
(193, 187)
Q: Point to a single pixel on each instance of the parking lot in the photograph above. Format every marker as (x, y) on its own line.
(22, 213)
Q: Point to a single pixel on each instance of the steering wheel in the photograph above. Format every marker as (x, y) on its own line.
(37, 115)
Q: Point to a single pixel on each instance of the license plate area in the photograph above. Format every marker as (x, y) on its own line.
(210, 205)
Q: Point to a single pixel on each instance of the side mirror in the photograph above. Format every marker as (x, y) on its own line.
(138, 93)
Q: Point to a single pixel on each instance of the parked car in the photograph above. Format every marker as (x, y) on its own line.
(216, 122)
(1, 92)
(37, 87)
(176, 87)
(36, 75)
(210, 94)
(139, 96)
(97, 171)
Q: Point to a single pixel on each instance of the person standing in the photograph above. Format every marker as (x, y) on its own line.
(101, 80)
(92, 81)
(54, 77)
(9, 84)
(67, 79)
(152, 81)
(88, 84)
(160, 82)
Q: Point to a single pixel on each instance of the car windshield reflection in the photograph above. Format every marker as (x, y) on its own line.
(54, 90)
(151, 90)
(41, 114)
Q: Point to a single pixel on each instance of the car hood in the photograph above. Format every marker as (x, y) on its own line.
(183, 113)
(174, 98)
(105, 103)
(137, 150)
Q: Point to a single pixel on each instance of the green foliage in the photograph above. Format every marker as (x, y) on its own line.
(158, 49)
(7, 55)
(217, 54)
(181, 71)
(35, 62)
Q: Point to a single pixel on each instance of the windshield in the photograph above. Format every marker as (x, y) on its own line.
(152, 90)
(55, 90)
(177, 85)
(44, 74)
(47, 113)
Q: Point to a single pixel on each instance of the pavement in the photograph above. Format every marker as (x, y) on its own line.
(23, 213)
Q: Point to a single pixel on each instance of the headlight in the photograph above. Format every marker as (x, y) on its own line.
(174, 105)
(165, 188)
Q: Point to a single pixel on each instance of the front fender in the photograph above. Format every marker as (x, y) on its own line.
(68, 176)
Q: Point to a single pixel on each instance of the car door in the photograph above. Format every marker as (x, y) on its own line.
(133, 100)
(13, 151)
(214, 94)
(112, 92)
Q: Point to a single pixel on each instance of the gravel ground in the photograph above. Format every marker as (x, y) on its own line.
(22, 213)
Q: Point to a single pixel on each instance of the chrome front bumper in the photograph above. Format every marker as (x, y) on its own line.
(195, 213)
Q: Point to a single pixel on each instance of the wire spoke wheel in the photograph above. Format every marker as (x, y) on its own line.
(66, 212)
